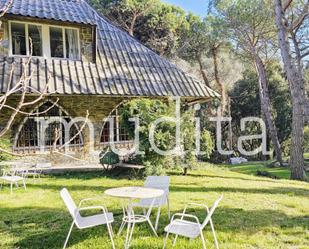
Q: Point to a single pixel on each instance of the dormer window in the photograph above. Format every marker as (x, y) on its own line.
(64, 43)
(46, 40)
(21, 33)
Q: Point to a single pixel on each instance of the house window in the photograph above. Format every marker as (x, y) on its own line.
(121, 134)
(31, 137)
(44, 40)
(64, 43)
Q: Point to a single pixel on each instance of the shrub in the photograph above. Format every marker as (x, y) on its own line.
(149, 110)
(5, 144)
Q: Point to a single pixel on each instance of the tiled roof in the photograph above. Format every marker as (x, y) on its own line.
(63, 10)
(124, 66)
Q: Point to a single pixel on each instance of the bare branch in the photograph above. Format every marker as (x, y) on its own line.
(287, 4)
(300, 18)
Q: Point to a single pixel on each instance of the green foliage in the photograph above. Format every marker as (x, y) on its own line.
(5, 144)
(153, 22)
(246, 100)
(286, 146)
(149, 110)
(207, 145)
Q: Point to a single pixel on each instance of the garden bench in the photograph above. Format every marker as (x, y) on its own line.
(135, 167)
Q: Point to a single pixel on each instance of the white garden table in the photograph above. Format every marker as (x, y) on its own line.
(131, 194)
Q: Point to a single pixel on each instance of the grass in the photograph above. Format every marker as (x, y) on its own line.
(255, 212)
(251, 168)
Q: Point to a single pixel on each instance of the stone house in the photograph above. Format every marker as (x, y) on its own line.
(88, 63)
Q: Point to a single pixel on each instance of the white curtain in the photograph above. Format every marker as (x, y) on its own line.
(72, 44)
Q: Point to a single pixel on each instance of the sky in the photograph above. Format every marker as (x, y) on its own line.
(198, 7)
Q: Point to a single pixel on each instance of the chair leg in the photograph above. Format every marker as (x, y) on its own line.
(158, 217)
(203, 240)
(68, 236)
(175, 240)
(110, 232)
(214, 234)
(168, 208)
(165, 240)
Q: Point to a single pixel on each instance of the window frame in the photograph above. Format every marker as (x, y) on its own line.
(114, 114)
(46, 49)
(35, 115)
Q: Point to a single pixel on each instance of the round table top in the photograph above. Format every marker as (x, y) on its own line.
(134, 192)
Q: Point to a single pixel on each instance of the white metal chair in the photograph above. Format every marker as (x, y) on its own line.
(189, 225)
(13, 179)
(36, 171)
(158, 182)
(81, 222)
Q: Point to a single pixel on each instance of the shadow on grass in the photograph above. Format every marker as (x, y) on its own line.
(47, 228)
(117, 173)
(183, 187)
(255, 190)
(225, 177)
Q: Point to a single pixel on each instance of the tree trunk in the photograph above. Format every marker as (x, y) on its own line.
(298, 98)
(230, 130)
(203, 73)
(132, 25)
(266, 106)
(185, 171)
(218, 80)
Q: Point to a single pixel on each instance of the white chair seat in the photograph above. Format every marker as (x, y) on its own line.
(12, 178)
(183, 228)
(94, 220)
(189, 225)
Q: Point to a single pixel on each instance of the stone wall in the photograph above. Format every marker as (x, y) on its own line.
(98, 107)
(4, 42)
(86, 37)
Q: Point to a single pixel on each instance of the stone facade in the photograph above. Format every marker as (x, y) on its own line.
(99, 108)
(86, 44)
(4, 42)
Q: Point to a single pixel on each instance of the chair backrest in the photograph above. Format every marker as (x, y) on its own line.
(211, 211)
(70, 204)
(159, 182)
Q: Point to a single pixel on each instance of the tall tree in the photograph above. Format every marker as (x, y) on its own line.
(251, 28)
(203, 38)
(154, 23)
(126, 13)
(288, 22)
(195, 44)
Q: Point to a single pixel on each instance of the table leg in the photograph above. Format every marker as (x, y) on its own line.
(148, 217)
(131, 224)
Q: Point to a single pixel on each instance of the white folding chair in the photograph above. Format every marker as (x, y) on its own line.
(189, 225)
(13, 179)
(81, 222)
(158, 182)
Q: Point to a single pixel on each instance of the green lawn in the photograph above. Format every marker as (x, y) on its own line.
(251, 168)
(256, 212)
